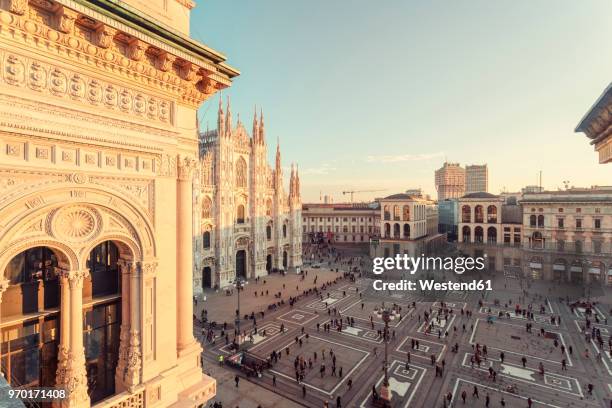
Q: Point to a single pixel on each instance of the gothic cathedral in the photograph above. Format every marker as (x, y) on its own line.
(247, 225)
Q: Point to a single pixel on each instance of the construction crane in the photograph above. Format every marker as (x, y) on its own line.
(351, 192)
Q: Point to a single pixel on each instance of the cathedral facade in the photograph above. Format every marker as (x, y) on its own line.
(248, 225)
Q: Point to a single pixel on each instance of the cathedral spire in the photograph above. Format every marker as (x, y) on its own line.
(278, 156)
(262, 131)
(255, 127)
(220, 119)
(228, 118)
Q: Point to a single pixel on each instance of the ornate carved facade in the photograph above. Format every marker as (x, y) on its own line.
(248, 225)
(97, 113)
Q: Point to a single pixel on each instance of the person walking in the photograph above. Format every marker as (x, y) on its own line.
(303, 391)
(236, 380)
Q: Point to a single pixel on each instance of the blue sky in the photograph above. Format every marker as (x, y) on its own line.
(376, 95)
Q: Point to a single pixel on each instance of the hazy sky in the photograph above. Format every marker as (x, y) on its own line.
(371, 95)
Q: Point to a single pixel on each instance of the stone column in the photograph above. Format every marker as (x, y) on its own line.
(4, 284)
(134, 353)
(76, 375)
(125, 324)
(64, 343)
(184, 262)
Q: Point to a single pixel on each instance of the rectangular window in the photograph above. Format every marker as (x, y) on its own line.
(597, 223)
(578, 223)
(560, 222)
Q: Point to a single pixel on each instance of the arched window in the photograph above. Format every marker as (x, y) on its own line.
(466, 214)
(387, 230)
(406, 231)
(479, 214)
(540, 221)
(466, 233)
(284, 230)
(240, 214)
(492, 214)
(269, 232)
(387, 215)
(491, 235)
(206, 208)
(478, 234)
(241, 173)
(406, 213)
(396, 230)
(206, 239)
(396, 213)
(268, 207)
(532, 220)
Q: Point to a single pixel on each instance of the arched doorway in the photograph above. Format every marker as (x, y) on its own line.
(206, 277)
(465, 232)
(241, 270)
(269, 263)
(285, 260)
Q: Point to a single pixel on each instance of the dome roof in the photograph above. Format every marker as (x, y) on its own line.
(481, 194)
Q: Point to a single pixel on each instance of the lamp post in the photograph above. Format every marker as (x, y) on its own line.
(385, 394)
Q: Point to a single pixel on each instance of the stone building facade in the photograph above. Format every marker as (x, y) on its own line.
(408, 225)
(98, 147)
(345, 223)
(248, 225)
(555, 235)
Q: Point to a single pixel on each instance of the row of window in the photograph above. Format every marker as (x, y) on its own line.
(479, 214)
(578, 210)
(344, 219)
(538, 222)
(206, 236)
(345, 229)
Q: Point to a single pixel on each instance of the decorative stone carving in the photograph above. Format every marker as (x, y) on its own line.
(65, 19)
(186, 165)
(14, 71)
(104, 36)
(62, 366)
(13, 150)
(148, 268)
(18, 6)
(58, 84)
(134, 359)
(76, 379)
(38, 77)
(166, 165)
(42, 153)
(75, 223)
(189, 71)
(136, 49)
(164, 61)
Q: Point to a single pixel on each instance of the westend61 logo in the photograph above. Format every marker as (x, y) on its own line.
(412, 264)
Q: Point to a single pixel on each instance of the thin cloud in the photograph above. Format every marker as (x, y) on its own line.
(403, 157)
(318, 171)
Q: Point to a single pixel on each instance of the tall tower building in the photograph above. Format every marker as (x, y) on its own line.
(450, 181)
(476, 179)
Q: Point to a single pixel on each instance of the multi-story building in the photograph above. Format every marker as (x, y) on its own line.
(568, 234)
(554, 235)
(450, 181)
(341, 222)
(596, 123)
(98, 143)
(247, 224)
(408, 225)
(476, 178)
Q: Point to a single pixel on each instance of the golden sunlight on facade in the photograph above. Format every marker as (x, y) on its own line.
(597, 126)
(98, 147)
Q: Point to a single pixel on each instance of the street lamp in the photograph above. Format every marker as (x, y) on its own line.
(387, 315)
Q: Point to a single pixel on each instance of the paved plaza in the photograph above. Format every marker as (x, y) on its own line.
(435, 348)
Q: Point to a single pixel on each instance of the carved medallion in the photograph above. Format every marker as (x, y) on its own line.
(75, 223)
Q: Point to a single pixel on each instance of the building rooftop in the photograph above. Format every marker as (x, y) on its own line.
(481, 194)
